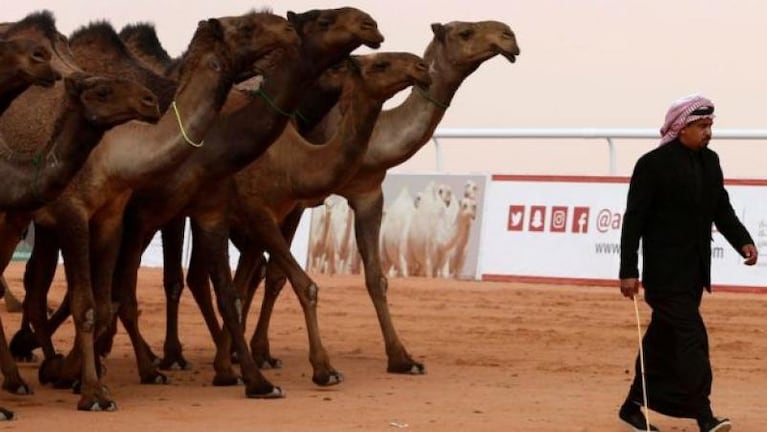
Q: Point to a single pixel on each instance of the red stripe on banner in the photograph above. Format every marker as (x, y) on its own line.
(603, 179)
(602, 282)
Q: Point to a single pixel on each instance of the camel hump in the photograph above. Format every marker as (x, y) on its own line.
(42, 20)
(100, 31)
(142, 37)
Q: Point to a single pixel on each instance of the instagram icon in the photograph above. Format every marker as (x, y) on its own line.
(558, 219)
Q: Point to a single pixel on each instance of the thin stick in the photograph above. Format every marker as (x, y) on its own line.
(641, 364)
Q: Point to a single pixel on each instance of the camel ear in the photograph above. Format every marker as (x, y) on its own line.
(354, 64)
(292, 17)
(438, 30)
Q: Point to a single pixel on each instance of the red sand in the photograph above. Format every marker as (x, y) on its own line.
(500, 357)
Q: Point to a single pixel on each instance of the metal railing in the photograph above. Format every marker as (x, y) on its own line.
(607, 134)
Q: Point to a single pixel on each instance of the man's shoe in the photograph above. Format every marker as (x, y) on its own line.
(636, 421)
(715, 425)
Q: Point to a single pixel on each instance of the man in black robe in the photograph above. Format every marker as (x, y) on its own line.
(675, 195)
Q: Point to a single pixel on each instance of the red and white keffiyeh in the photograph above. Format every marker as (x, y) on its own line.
(681, 113)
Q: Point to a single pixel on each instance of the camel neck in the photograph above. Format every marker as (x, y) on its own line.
(402, 131)
(32, 181)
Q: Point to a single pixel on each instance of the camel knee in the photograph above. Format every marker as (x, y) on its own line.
(88, 322)
(309, 295)
(173, 291)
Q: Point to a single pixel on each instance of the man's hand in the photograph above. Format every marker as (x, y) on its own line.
(629, 287)
(750, 253)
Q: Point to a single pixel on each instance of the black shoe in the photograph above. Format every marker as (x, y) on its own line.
(635, 420)
(715, 425)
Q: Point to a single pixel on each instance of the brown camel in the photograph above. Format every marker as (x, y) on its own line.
(457, 50)
(88, 106)
(86, 218)
(292, 169)
(23, 63)
(249, 126)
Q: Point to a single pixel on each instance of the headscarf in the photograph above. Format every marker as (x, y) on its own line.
(682, 112)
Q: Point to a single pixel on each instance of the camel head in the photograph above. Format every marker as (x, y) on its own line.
(255, 35)
(334, 33)
(468, 208)
(107, 102)
(41, 28)
(26, 62)
(385, 74)
(466, 45)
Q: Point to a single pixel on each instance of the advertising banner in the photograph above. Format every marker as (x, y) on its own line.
(431, 227)
(567, 229)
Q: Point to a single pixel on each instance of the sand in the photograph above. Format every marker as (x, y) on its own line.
(499, 357)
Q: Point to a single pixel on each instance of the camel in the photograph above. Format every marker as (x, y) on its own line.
(394, 227)
(86, 218)
(422, 238)
(23, 63)
(88, 107)
(251, 122)
(456, 51)
(291, 170)
(428, 250)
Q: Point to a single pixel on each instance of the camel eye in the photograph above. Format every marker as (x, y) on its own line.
(380, 66)
(102, 93)
(466, 34)
(323, 24)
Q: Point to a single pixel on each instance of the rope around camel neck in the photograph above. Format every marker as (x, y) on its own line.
(183, 131)
(429, 98)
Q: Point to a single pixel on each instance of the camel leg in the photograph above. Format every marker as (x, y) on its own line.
(199, 286)
(267, 231)
(173, 282)
(75, 249)
(259, 344)
(124, 293)
(11, 228)
(368, 210)
(38, 277)
(213, 239)
(275, 280)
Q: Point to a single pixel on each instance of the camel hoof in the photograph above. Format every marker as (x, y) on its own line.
(227, 380)
(6, 415)
(331, 379)
(155, 378)
(413, 368)
(22, 344)
(171, 363)
(20, 388)
(274, 393)
(50, 369)
(89, 405)
(270, 363)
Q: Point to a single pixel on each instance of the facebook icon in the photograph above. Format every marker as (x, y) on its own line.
(581, 220)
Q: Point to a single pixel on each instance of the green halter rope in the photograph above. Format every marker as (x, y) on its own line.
(271, 103)
(428, 97)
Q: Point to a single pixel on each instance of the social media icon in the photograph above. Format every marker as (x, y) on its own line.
(558, 219)
(580, 220)
(516, 217)
(537, 218)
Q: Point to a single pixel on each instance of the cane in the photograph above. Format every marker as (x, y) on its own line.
(641, 363)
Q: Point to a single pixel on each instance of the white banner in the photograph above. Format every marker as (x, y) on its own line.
(568, 229)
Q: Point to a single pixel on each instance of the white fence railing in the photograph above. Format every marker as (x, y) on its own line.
(607, 134)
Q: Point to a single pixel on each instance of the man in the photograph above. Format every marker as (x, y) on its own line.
(675, 195)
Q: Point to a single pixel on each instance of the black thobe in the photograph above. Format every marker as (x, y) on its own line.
(674, 197)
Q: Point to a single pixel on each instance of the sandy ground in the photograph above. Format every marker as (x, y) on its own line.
(500, 357)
